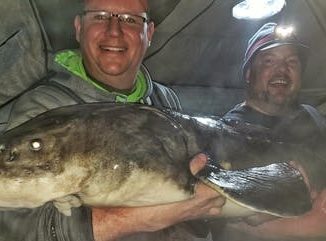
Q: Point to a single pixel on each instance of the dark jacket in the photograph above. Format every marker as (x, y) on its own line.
(304, 127)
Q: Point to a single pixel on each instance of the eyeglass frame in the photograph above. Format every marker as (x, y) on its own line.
(143, 15)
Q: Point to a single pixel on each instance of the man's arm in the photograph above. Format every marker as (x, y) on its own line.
(310, 226)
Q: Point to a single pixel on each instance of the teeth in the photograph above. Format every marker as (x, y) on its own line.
(279, 81)
(113, 49)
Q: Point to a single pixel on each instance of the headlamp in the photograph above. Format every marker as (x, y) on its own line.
(284, 32)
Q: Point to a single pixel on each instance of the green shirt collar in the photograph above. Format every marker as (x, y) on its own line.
(72, 61)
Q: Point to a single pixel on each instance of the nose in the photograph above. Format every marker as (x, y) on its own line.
(114, 27)
(282, 66)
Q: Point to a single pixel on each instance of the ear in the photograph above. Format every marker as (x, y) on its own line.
(77, 24)
(150, 31)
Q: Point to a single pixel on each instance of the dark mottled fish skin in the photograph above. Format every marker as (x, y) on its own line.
(132, 155)
(93, 149)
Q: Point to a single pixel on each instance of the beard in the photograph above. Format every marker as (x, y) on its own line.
(267, 98)
(271, 101)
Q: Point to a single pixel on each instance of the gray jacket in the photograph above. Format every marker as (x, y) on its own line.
(61, 88)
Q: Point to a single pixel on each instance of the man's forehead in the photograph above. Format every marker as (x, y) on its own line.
(280, 50)
(139, 4)
(144, 3)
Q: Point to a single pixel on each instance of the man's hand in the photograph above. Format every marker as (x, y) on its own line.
(112, 223)
(312, 224)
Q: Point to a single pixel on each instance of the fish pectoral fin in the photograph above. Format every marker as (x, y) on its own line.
(64, 204)
(277, 189)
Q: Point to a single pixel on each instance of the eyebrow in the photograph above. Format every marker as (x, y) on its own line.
(263, 54)
(103, 10)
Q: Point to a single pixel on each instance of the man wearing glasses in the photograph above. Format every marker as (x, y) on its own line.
(113, 37)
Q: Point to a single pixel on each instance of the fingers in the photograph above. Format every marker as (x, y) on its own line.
(204, 209)
(213, 207)
(320, 202)
(217, 207)
(197, 163)
(220, 201)
(207, 202)
(202, 190)
(209, 198)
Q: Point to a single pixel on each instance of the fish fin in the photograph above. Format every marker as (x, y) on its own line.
(277, 189)
(64, 204)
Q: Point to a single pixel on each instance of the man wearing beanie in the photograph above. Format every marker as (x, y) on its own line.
(272, 70)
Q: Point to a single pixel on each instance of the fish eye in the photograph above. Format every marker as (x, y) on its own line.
(36, 144)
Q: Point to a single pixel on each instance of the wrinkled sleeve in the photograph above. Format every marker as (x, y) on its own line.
(35, 102)
(46, 224)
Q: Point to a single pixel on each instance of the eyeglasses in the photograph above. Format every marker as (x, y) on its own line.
(126, 19)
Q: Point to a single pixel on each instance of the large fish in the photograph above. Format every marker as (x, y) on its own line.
(105, 154)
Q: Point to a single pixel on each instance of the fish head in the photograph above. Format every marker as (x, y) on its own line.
(32, 150)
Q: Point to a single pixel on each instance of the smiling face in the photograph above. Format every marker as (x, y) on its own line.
(113, 50)
(274, 80)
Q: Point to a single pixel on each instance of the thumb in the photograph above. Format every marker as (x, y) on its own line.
(197, 163)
